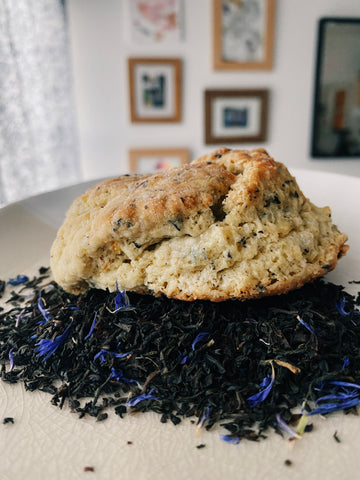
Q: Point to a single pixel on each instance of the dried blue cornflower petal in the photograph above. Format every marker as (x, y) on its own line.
(140, 398)
(266, 386)
(340, 396)
(346, 363)
(43, 312)
(285, 427)
(118, 376)
(199, 338)
(340, 308)
(184, 359)
(230, 439)
(334, 407)
(201, 422)
(18, 280)
(18, 318)
(47, 346)
(91, 328)
(306, 325)
(344, 384)
(204, 417)
(347, 397)
(104, 353)
(11, 359)
(122, 301)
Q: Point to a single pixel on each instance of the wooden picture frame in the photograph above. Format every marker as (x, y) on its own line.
(149, 160)
(243, 34)
(155, 89)
(236, 116)
(336, 108)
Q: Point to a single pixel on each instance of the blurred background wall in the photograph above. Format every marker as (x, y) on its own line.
(64, 89)
(100, 48)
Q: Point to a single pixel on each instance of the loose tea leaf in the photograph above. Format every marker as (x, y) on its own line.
(8, 420)
(243, 365)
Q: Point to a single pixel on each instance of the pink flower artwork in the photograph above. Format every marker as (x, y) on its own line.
(156, 20)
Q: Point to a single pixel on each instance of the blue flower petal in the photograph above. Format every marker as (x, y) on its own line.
(285, 427)
(91, 328)
(11, 359)
(118, 376)
(43, 312)
(346, 396)
(18, 280)
(184, 359)
(103, 353)
(47, 346)
(204, 417)
(266, 386)
(199, 338)
(230, 439)
(121, 301)
(340, 307)
(306, 325)
(140, 398)
(335, 406)
(346, 362)
(345, 384)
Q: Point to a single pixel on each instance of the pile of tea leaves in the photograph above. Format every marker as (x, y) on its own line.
(247, 366)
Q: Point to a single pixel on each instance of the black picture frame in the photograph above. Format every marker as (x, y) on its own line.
(336, 107)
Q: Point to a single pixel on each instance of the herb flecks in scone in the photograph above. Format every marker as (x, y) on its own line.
(233, 224)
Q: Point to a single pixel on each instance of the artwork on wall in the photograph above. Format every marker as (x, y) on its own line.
(149, 160)
(155, 89)
(243, 32)
(155, 21)
(236, 116)
(336, 116)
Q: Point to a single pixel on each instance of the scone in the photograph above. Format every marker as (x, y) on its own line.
(232, 224)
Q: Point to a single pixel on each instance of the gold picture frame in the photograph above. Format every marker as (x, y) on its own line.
(149, 160)
(243, 34)
(155, 89)
(236, 116)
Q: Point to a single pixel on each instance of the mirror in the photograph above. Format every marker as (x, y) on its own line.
(336, 118)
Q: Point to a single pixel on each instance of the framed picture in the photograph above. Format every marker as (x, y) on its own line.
(155, 89)
(243, 32)
(149, 160)
(236, 116)
(154, 21)
(336, 113)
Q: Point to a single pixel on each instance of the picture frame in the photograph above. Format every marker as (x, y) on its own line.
(243, 34)
(155, 22)
(149, 160)
(155, 89)
(236, 116)
(336, 106)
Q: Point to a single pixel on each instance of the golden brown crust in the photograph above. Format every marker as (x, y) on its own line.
(233, 224)
(171, 195)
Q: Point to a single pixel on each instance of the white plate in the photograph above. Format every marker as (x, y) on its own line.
(45, 442)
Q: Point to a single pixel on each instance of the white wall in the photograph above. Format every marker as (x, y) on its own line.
(100, 50)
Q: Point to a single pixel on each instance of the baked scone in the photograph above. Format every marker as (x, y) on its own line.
(232, 224)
